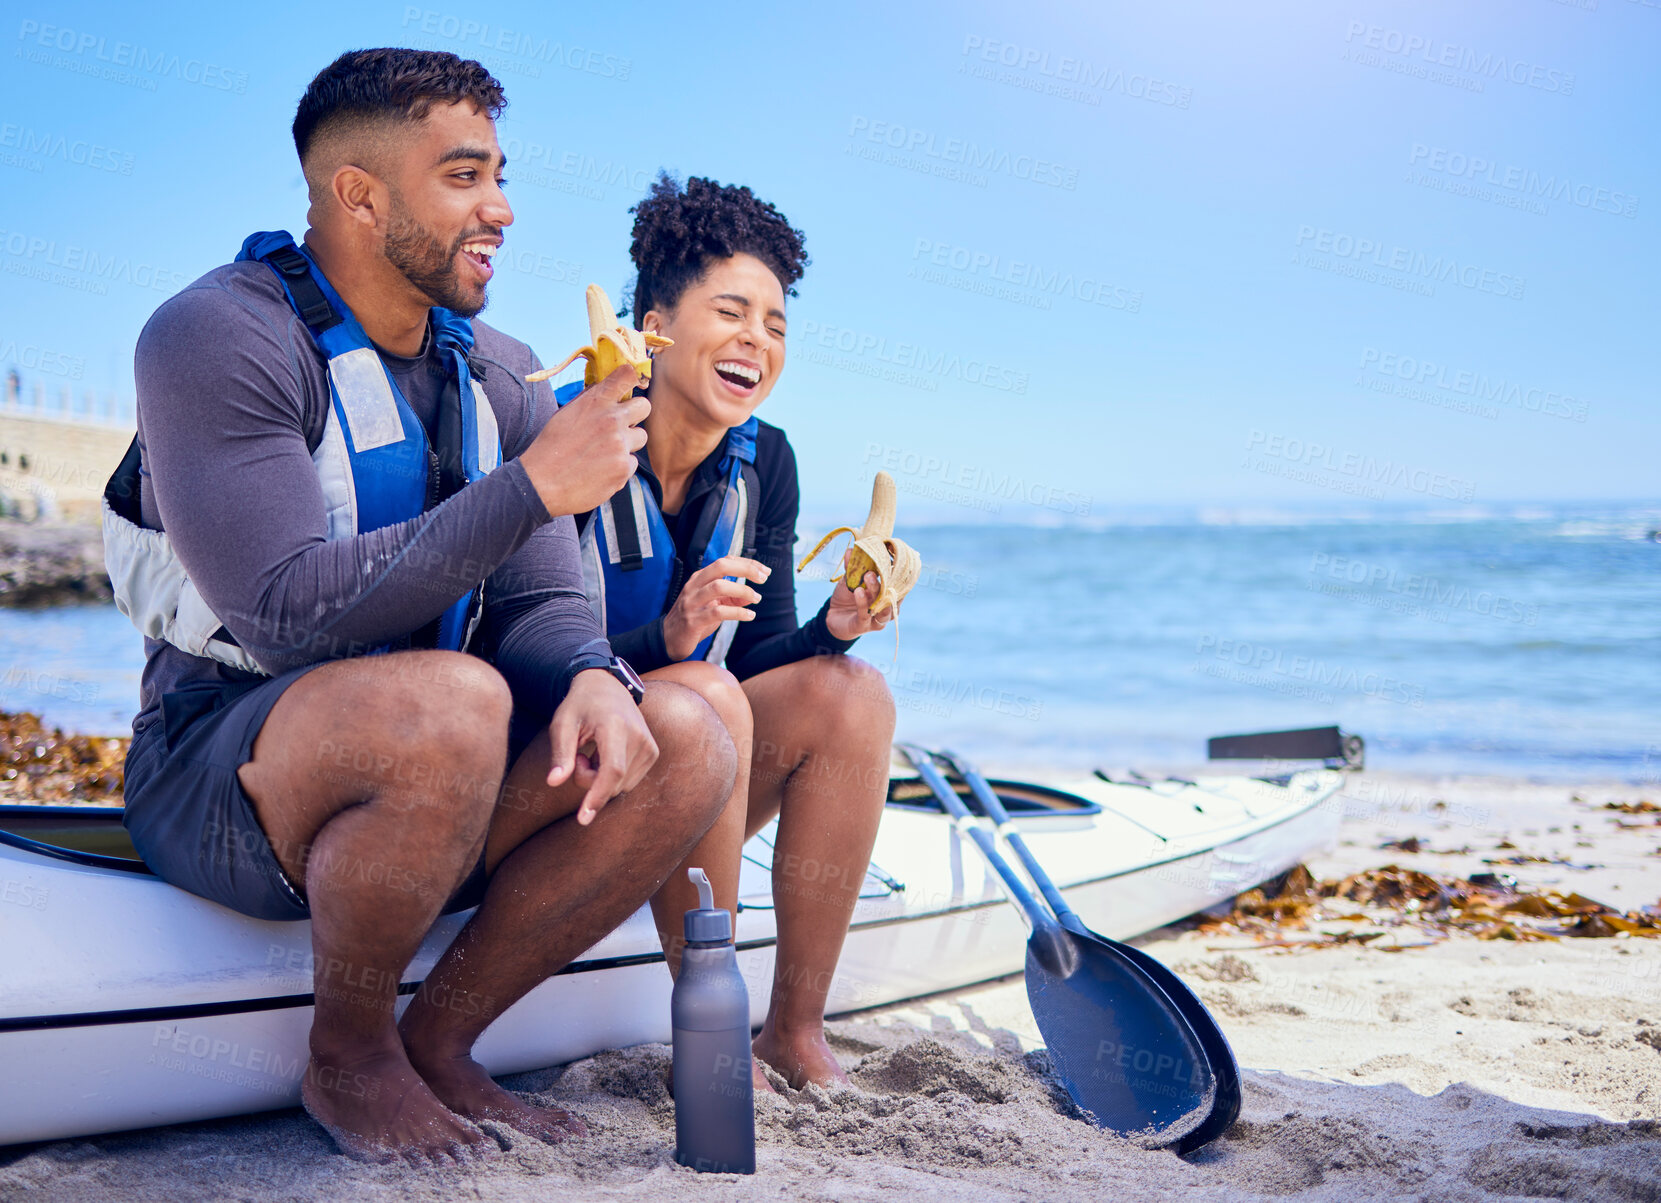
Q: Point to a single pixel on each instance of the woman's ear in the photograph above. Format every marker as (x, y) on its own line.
(652, 323)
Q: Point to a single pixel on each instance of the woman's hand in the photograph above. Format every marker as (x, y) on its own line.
(850, 615)
(708, 599)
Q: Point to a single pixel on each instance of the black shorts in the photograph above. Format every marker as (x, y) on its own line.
(189, 817)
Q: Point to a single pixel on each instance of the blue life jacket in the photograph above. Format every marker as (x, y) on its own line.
(374, 464)
(632, 571)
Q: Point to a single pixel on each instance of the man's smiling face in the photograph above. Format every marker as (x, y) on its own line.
(448, 210)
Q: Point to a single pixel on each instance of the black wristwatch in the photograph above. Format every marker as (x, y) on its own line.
(615, 665)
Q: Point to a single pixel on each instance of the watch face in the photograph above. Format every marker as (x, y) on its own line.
(625, 673)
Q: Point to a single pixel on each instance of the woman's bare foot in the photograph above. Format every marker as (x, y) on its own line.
(468, 1090)
(377, 1108)
(800, 1057)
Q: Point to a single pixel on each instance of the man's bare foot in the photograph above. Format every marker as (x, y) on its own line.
(464, 1086)
(799, 1059)
(377, 1108)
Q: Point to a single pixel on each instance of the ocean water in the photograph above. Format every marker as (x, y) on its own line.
(1527, 642)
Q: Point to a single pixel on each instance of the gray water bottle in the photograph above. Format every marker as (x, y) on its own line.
(715, 1114)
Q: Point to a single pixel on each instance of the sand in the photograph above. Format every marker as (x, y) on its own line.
(1458, 1069)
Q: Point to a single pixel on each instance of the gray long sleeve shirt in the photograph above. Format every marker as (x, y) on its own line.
(232, 398)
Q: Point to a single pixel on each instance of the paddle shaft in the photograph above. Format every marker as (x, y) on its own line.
(994, 808)
(1041, 920)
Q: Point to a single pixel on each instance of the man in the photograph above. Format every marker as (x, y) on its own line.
(338, 459)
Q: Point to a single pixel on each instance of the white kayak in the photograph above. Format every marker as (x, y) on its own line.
(127, 1003)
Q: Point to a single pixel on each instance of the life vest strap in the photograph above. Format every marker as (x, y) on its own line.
(629, 558)
(313, 306)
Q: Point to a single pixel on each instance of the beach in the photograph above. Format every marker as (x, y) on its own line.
(1419, 1062)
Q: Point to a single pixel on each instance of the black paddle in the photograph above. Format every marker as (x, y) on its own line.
(1226, 1107)
(1122, 1050)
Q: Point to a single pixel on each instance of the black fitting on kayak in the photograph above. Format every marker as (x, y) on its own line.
(1340, 751)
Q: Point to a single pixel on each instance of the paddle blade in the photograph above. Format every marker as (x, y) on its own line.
(1119, 1046)
(1226, 1107)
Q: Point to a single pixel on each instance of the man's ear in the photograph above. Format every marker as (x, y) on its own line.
(362, 197)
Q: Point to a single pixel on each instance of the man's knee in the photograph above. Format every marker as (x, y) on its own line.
(431, 725)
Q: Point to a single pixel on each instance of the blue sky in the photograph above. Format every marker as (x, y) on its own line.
(1078, 258)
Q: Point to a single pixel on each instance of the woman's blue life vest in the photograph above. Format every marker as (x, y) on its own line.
(374, 464)
(632, 571)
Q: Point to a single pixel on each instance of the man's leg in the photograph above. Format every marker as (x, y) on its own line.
(389, 769)
(374, 780)
(556, 888)
(823, 732)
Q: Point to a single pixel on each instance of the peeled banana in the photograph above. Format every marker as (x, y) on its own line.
(611, 345)
(875, 549)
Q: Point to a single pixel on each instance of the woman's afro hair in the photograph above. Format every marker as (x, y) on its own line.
(678, 232)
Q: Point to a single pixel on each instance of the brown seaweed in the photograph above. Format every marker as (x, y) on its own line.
(43, 766)
(1435, 907)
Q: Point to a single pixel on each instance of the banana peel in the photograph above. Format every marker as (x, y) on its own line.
(875, 549)
(611, 345)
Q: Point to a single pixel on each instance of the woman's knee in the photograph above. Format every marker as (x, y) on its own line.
(720, 689)
(694, 744)
(850, 689)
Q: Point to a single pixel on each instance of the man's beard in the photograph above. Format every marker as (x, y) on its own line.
(422, 258)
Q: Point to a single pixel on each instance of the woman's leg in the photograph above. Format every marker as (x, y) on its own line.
(823, 729)
(717, 854)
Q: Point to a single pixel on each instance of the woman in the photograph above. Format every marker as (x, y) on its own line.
(691, 564)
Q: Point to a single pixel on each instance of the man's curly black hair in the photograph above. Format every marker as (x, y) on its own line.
(678, 232)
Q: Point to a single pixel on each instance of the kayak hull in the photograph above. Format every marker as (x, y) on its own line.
(138, 1005)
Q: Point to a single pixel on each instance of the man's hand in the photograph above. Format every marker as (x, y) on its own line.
(599, 714)
(708, 599)
(849, 615)
(586, 451)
